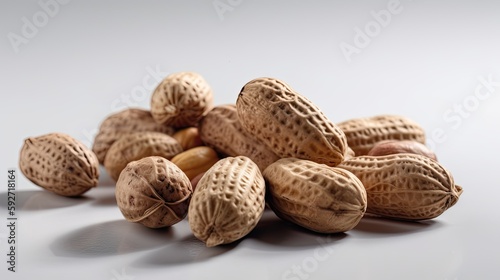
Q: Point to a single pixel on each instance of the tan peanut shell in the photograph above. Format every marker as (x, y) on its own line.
(315, 196)
(153, 192)
(221, 130)
(134, 146)
(195, 160)
(59, 163)
(181, 99)
(389, 147)
(188, 137)
(228, 201)
(405, 186)
(288, 123)
(123, 122)
(363, 133)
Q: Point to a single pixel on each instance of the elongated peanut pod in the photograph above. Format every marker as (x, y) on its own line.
(288, 123)
(228, 201)
(405, 186)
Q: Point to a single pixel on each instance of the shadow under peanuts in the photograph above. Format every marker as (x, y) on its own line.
(374, 226)
(41, 200)
(184, 251)
(110, 238)
(271, 230)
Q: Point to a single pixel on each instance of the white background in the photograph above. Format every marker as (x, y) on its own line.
(86, 59)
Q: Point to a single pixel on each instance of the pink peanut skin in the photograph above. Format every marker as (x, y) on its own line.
(390, 147)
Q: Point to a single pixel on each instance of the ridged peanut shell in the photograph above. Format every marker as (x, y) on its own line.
(195, 160)
(153, 192)
(222, 130)
(228, 201)
(363, 133)
(288, 123)
(315, 196)
(405, 186)
(181, 99)
(124, 122)
(389, 147)
(134, 146)
(59, 163)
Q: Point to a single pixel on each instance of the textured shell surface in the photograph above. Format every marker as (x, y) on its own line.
(405, 186)
(363, 133)
(228, 201)
(222, 130)
(124, 122)
(315, 196)
(181, 99)
(288, 123)
(154, 192)
(137, 145)
(59, 163)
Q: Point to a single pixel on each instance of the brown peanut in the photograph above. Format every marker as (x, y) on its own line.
(389, 147)
(195, 160)
(315, 196)
(188, 137)
(181, 99)
(59, 163)
(228, 201)
(288, 123)
(134, 146)
(405, 186)
(221, 130)
(126, 121)
(153, 192)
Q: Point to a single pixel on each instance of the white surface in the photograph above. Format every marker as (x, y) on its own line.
(90, 56)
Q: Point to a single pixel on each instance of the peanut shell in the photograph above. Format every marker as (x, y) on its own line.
(59, 163)
(228, 201)
(315, 196)
(134, 146)
(221, 130)
(363, 133)
(124, 122)
(288, 123)
(405, 186)
(153, 192)
(181, 99)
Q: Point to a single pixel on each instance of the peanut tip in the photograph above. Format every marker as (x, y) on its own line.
(214, 239)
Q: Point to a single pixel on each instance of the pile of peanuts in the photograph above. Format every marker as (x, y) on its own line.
(222, 166)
